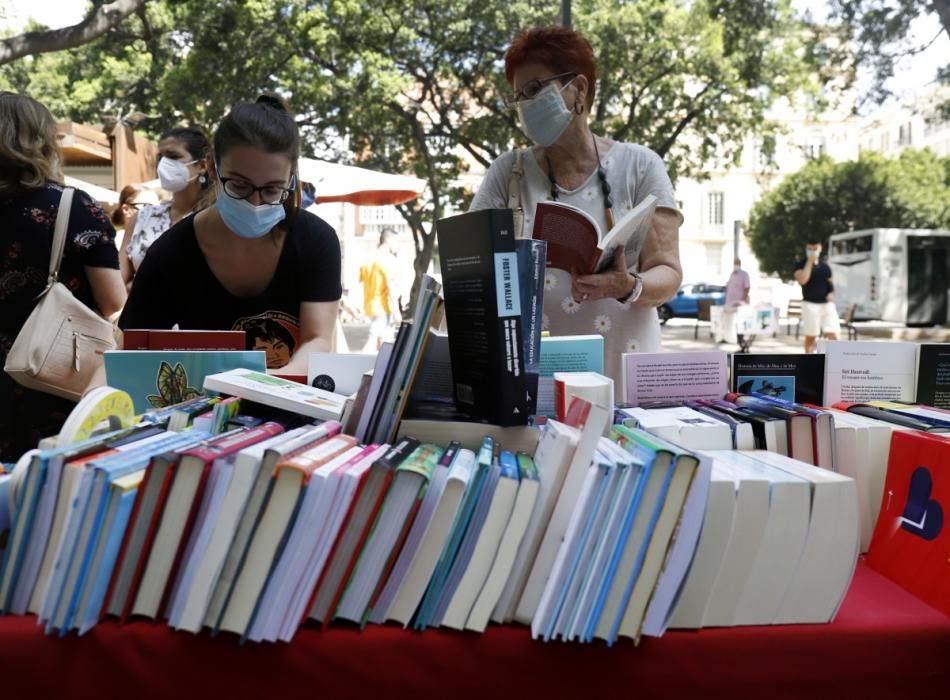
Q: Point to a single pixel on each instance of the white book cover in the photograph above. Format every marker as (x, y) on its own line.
(338, 372)
(748, 527)
(279, 393)
(414, 587)
(831, 549)
(499, 514)
(507, 550)
(597, 422)
(860, 371)
(783, 539)
(713, 541)
(552, 458)
(683, 426)
(247, 463)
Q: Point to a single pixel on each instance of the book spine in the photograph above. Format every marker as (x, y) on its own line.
(508, 346)
(532, 258)
(147, 545)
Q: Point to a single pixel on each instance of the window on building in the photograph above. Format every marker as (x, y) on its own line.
(715, 204)
(714, 258)
(904, 135)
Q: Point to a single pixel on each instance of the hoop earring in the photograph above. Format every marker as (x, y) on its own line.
(202, 179)
(578, 107)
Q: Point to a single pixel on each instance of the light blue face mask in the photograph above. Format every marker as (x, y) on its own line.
(545, 117)
(247, 220)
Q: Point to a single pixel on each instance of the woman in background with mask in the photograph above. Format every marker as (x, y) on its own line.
(253, 259)
(553, 73)
(183, 169)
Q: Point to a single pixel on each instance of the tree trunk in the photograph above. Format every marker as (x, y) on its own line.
(100, 20)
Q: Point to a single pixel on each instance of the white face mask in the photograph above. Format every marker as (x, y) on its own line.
(174, 174)
(546, 116)
(736, 268)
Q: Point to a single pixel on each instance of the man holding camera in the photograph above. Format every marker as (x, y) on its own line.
(819, 314)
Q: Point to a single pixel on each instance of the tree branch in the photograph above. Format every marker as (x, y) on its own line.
(100, 20)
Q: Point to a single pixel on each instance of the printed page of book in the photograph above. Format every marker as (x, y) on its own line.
(862, 371)
(673, 376)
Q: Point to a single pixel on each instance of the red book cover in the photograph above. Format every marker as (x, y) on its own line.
(147, 542)
(139, 339)
(577, 413)
(367, 528)
(571, 235)
(220, 447)
(911, 542)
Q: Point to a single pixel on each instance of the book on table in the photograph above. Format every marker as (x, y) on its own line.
(479, 263)
(933, 375)
(577, 244)
(279, 393)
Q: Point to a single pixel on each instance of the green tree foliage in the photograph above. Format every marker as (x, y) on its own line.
(418, 87)
(824, 197)
(877, 34)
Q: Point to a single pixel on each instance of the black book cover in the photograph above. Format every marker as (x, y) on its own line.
(532, 261)
(795, 377)
(933, 375)
(483, 314)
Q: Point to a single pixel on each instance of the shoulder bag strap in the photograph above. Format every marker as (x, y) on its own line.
(59, 235)
(514, 192)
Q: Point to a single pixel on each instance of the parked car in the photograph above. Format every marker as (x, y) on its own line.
(686, 302)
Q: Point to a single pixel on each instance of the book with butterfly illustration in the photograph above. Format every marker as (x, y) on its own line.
(575, 242)
(159, 378)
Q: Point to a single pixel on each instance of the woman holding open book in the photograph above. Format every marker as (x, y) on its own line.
(255, 261)
(554, 75)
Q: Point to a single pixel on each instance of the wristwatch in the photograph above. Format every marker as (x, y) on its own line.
(635, 292)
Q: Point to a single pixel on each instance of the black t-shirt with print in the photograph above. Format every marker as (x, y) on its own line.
(819, 285)
(175, 285)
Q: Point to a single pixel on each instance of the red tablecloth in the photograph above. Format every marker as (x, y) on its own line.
(884, 644)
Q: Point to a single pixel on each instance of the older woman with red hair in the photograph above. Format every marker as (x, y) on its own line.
(553, 73)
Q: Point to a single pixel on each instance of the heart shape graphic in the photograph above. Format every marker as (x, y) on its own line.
(922, 516)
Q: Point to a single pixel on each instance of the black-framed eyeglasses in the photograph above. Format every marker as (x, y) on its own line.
(237, 188)
(532, 88)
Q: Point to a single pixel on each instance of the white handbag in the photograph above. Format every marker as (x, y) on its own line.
(61, 345)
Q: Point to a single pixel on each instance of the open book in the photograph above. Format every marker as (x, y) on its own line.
(574, 238)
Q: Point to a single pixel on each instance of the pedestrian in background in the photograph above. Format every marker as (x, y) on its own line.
(819, 315)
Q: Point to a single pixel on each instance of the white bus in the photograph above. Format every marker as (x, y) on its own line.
(899, 275)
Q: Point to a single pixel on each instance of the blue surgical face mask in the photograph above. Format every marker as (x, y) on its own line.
(247, 220)
(545, 117)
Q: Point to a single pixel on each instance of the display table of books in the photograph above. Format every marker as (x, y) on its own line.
(883, 643)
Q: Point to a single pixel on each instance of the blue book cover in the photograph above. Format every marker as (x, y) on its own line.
(467, 547)
(459, 525)
(641, 554)
(160, 378)
(113, 534)
(85, 520)
(27, 498)
(604, 472)
(647, 457)
(566, 353)
(532, 258)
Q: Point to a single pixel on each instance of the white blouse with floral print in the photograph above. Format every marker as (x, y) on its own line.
(152, 221)
(633, 172)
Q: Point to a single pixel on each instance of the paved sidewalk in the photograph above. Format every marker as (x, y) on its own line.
(678, 335)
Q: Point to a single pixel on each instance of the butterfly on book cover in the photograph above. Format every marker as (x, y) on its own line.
(172, 385)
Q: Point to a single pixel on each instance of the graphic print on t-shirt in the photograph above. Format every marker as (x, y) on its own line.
(275, 332)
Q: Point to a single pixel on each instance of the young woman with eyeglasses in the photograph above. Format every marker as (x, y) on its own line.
(184, 165)
(553, 73)
(254, 257)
